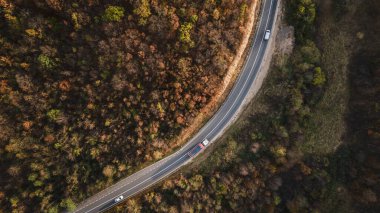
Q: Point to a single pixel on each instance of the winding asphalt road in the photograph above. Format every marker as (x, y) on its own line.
(214, 127)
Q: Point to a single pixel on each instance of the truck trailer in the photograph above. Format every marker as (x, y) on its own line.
(198, 148)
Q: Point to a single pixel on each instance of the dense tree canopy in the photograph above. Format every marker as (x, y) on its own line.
(91, 89)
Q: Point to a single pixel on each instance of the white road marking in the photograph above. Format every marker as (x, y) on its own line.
(249, 74)
(169, 157)
(143, 181)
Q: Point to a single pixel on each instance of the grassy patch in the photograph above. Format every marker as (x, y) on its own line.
(326, 124)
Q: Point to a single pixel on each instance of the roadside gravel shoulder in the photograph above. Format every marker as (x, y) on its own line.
(274, 47)
(233, 71)
(265, 65)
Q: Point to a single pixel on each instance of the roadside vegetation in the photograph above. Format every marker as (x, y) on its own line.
(309, 142)
(92, 89)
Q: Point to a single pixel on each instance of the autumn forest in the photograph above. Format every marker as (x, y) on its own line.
(90, 89)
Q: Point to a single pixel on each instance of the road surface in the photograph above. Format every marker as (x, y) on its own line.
(216, 125)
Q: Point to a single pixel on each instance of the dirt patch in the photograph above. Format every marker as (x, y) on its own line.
(285, 40)
(284, 44)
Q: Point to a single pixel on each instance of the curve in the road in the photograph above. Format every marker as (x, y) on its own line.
(213, 128)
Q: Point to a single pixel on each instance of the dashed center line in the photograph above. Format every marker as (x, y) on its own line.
(159, 163)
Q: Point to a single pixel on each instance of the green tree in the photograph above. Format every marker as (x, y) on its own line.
(302, 13)
(310, 53)
(306, 11)
(68, 204)
(74, 18)
(319, 77)
(113, 13)
(194, 19)
(46, 62)
(196, 182)
(185, 33)
(53, 209)
(54, 114)
(296, 99)
(243, 11)
(278, 151)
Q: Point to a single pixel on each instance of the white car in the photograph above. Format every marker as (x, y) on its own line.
(118, 199)
(205, 142)
(267, 35)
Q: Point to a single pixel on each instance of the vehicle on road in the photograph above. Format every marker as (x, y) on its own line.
(198, 148)
(205, 142)
(267, 35)
(118, 199)
(223, 118)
